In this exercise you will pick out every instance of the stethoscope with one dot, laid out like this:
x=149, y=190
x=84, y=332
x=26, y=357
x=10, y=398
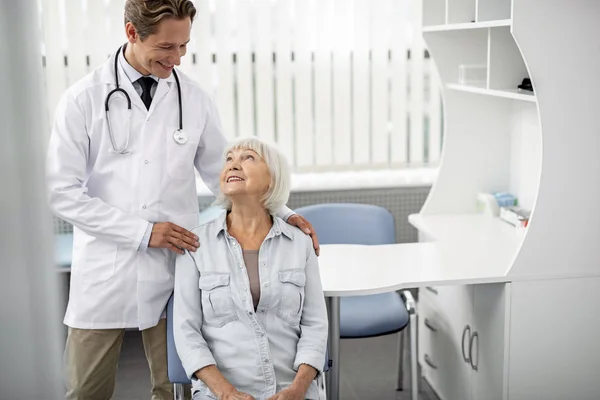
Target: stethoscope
x=179, y=136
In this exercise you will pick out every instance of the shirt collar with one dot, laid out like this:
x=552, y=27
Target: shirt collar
x=279, y=227
x=131, y=73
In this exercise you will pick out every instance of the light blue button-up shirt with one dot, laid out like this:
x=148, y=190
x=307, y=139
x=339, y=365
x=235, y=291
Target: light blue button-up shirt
x=214, y=318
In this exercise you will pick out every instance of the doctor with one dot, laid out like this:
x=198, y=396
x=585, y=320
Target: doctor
x=120, y=168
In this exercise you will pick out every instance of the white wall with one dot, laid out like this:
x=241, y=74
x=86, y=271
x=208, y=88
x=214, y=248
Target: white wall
x=30, y=345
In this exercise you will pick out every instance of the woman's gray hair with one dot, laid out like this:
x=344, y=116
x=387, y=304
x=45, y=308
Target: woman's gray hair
x=279, y=189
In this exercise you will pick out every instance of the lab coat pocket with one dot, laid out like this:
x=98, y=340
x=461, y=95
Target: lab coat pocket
x=94, y=259
x=181, y=154
x=217, y=303
x=291, y=295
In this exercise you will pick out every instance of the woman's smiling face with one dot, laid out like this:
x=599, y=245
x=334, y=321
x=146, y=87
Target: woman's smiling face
x=245, y=173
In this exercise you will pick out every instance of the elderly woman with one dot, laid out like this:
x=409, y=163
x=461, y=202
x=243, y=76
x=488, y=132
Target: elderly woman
x=250, y=320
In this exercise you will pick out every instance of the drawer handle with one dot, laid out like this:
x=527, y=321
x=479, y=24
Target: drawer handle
x=432, y=290
x=429, y=325
x=429, y=362
x=474, y=365
x=466, y=331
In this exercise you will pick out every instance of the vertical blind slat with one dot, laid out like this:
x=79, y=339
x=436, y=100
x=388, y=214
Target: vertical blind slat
x=265, y=118
x=225, y=76
x=361, y=84
x=322, y=95
x=243, y=70
x=283, y=79
x=303, y=83
x=342, y=79
x=416, y=149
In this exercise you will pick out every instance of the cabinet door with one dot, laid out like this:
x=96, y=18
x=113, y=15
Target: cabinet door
x=449, y=314
x=488, y=347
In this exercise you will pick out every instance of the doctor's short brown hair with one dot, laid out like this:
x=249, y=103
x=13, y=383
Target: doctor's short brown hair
x=146, y=14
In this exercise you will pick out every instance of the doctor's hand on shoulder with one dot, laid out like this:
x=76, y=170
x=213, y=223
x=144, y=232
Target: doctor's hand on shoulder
x=167, y=235
x=306, y=227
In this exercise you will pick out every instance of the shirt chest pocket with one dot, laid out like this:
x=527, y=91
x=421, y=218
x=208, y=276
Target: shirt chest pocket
x=181, y=147
x=291, y=295
x=217, y=303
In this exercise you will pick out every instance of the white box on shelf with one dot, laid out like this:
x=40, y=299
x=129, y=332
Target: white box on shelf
x=472, y=74
x=514, y=215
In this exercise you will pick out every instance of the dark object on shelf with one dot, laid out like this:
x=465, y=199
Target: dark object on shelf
x=526, y=85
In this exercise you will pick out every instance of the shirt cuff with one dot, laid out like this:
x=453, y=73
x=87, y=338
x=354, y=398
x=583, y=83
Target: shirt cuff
x=313, y=358
x=146, y=239
x=195, y=362
x=285, y=213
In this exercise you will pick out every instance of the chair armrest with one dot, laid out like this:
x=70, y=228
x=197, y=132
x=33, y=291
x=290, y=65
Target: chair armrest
x=409, y=301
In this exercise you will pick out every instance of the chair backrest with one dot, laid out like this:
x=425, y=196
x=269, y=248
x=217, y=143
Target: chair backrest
x=348, y=223
x=174, y=368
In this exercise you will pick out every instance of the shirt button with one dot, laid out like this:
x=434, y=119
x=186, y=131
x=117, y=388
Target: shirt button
x=250, y=313
x=266, y=285
x=262, y=310
x=245, y=289
x=144, y=206
x=146, y=161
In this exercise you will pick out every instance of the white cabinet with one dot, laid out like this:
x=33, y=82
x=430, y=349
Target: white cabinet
x=491, y=311
x=443, y=317
x=462, y=340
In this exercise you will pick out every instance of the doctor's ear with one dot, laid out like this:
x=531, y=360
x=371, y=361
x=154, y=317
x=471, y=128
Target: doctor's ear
x=131, y=32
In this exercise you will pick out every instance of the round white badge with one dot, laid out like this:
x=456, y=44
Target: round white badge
x=180, y=136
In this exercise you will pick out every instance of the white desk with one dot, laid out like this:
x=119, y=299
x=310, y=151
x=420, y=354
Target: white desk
x=354, y=270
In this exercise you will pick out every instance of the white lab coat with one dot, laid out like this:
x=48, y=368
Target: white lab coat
x=111, y=198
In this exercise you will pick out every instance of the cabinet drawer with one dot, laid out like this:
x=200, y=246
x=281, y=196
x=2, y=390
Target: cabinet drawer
x=452, y=301
x=430, y=293
x=426, y=337
x=440, y=349
x=425, y=333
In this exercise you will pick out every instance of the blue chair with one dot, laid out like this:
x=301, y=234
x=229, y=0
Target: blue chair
x=63, y=251
x=177, y=374
x=372, y=315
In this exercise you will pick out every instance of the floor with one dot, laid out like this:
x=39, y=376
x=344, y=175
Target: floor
x=368, y=371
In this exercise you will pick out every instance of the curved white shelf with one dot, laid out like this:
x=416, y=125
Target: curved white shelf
x=513, y=94
x=467, y=25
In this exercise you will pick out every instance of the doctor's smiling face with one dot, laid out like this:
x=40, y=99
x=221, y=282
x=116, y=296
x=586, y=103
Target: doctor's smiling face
x=158, y=32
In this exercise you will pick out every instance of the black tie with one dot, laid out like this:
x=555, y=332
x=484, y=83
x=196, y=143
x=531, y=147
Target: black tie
x=146, y=82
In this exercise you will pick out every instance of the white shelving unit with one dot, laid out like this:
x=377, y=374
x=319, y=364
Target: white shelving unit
x=470, y=25
x=542, y=147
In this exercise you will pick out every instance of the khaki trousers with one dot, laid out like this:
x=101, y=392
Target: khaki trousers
x=92, y=357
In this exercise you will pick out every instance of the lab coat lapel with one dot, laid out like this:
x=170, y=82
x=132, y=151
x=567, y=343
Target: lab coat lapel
x=164, y=86
x=108, y=77
x=126, y=84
